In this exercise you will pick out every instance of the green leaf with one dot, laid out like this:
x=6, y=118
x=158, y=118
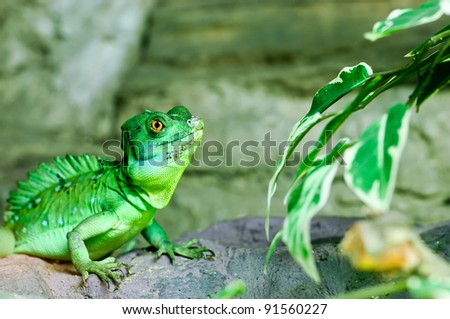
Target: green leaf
x=232, y=290
x=436, y=39
x=347, y=80
x=401, y=19
x=272, y=248
x=372, y=163
x=297, y=133
x=430, y=287
x=309, y=160
x=335, y=153
x=305, y=202
x=337, y=119
x=439, y=79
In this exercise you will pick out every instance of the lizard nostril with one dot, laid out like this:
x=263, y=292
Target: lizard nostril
x=195, y=123
x=192, y=122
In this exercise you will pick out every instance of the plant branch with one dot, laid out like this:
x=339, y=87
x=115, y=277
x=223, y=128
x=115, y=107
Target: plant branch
x=376, y=291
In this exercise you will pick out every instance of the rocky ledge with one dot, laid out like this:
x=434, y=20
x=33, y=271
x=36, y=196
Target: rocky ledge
x=240, y=248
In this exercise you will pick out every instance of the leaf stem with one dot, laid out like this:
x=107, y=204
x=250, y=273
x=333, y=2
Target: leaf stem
x=380, y=290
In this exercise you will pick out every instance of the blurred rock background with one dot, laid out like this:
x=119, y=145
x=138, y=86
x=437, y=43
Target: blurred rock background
x=72, y=71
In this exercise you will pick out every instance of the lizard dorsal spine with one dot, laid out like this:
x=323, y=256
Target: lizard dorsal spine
x=53, y=174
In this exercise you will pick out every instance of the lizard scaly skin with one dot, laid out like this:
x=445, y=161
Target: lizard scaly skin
x=81, y=208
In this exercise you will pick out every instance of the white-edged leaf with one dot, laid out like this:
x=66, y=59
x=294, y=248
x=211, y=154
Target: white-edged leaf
x=401, y=19
x=348, y=79
x=297, y=133
x=334, y=154
x=372, y=163
x=445, y=6
x=306, y=201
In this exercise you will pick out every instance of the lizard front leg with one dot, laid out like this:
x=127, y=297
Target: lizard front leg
x=92, y=227
x=157, y=237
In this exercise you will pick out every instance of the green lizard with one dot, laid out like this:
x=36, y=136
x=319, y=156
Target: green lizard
x=81, y=208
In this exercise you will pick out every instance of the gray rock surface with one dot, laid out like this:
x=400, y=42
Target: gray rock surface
x=240, y=247
x=62, y=61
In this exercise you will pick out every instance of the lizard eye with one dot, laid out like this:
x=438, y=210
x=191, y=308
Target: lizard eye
x=156, y=125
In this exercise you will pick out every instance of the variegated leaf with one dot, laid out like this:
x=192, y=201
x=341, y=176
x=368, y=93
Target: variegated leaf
x=298, y=132
x=348, y=79
x=401, y=19
x=372, y=163
x=305, y=202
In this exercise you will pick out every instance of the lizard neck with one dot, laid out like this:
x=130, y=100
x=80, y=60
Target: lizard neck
x=154, y=185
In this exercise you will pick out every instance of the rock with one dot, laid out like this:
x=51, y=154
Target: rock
x=24, y=276
x=240, y=248
x=62, y=61
x=194, y=33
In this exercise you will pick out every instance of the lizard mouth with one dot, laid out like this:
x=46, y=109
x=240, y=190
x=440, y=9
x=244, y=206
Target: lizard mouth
x=180, y=146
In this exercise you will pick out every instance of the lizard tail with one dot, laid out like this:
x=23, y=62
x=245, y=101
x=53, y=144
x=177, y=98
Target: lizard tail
x=7, y=241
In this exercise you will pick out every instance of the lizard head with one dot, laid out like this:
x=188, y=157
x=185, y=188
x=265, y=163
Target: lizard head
x=157, y=149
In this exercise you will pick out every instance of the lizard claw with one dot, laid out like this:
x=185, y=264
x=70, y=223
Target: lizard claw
x=105, y=269
x=191, y=249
